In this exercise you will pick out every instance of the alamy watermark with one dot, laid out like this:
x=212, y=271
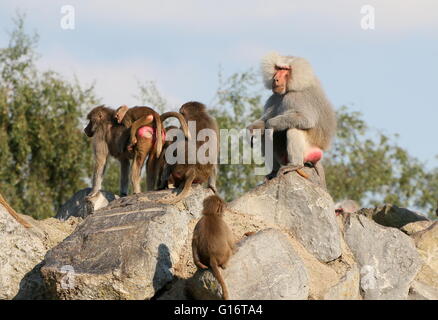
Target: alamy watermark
x=68, y=280
x=68, y=17
x=368, y=21
x=233, y=146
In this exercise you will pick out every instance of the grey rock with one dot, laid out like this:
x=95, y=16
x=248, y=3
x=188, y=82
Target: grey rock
x=297, y=204
x=20, y=252
x=126, y=250
x=347, y=288
x=422, y=291
x=392, y=216
x=81, y=206
x=417, y=226
x=264, y=267
x=387, y=258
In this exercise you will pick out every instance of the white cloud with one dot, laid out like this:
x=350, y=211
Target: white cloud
x=206, y=16
x=116, y=83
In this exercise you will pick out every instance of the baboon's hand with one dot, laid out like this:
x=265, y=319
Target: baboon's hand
x=259, y=124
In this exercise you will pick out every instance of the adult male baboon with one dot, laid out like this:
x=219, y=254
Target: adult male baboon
x=187, y=173
x=108, y=138
x=298, y=111
x=213, y=241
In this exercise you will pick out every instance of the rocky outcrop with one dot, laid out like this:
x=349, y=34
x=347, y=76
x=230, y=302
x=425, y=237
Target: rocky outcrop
x=22, y=251
x=81, y=206
x=426, y=284
x=387, y=258
x=300, y=206
x=137, y=248
x=126, y=250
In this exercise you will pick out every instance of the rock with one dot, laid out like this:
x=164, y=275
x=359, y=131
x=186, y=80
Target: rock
x=126, y=250
x=80, y=206
x=414, y=227
x=427, y=245
x=426, y=242
x=20, y=251
x=295, y=203
x=264, y=267
x=422, y=291
x=392, y=216
x=347, y=288
x=387, y=258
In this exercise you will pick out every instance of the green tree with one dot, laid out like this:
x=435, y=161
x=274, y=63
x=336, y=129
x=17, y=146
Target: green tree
x=369, y=167
x=237, y=101
x=44, y=156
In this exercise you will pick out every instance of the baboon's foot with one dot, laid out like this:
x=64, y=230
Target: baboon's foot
x=289, y=168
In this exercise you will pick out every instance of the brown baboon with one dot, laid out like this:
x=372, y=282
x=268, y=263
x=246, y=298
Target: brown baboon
x=137, y=117
x=186, y=173
x=213, y=241
x=108, y=138
x=298, y=111
x=12, y=212
x=146, y=124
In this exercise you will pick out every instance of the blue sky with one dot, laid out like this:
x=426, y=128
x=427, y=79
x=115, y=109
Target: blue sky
x=389, y=73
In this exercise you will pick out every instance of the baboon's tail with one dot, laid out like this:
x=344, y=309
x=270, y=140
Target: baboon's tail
x=159, y=141
x=189, y=178
x=218, y=276
x=181, y=120
x=13, y=213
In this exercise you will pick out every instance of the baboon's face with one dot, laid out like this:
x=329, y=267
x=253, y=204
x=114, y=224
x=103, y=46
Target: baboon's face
x=120, y=113
x=280, y=80
x=94, y=118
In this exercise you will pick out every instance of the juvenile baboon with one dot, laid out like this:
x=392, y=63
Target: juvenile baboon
x=12, y=212
x=185, y=173
x=298, y=111
x=145, y=123
x=136, y=117
x=108, y=138
x=213, y=241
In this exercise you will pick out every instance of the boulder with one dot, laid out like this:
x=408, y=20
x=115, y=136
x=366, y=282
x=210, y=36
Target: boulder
x=299, y=205
x=125, y=250
x=392, y=216
x=414, y=227
x=22, y=251
x=264, y=267
x=81, y=206
x=426, y=242
x=387, y=258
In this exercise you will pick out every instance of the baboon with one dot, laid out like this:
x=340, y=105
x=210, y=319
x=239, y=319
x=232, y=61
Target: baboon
x=160, y=163
x=12, y=212
x=298, y=111
x=145, y=123
x=137, y=117
x=108, y=138
x=213, y=241
x=346, y=206
x=185, y=174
